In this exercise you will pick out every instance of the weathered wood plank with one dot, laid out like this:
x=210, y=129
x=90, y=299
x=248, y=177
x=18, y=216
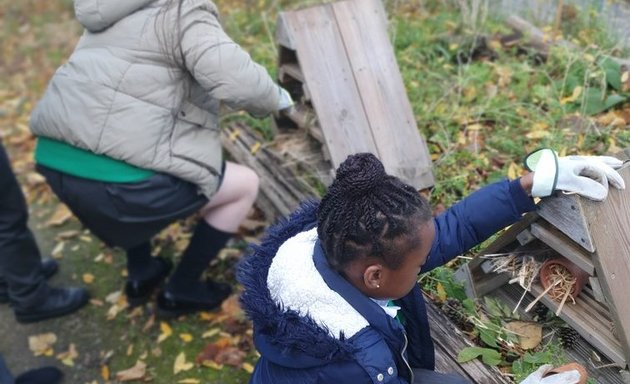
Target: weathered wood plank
x=585, y=318
x=565, y=212
x=327, y=71
x=610, y=227
x=449, y=340
x=283, y=36
x=363, y=29
x=563, y=245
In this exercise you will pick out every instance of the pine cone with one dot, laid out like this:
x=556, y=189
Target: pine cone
x=540, y=311
x=568, y=336
x=454, y=310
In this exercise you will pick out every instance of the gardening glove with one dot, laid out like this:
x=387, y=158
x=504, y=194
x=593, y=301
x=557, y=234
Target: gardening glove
x=568, y=377
x=587, y=176
x=286, y=101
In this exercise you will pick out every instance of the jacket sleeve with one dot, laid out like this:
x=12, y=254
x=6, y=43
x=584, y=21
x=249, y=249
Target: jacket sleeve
x=221, y=66
x=475, y=218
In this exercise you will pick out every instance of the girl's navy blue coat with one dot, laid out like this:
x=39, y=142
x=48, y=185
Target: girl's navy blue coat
x=295, y=348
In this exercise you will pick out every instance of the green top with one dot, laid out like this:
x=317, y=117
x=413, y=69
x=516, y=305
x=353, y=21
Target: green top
x=78, y=162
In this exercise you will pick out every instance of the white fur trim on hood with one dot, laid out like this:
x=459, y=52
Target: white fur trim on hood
x=295, y=283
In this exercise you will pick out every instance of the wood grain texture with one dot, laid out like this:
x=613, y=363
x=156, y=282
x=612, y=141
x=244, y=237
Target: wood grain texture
x=566, y=213
x=363, y=29
x=609, y=223
x=563, y=245
x=349, y=69
x=449, y=341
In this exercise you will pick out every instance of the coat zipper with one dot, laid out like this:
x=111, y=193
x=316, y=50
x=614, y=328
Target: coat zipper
x=402, y=354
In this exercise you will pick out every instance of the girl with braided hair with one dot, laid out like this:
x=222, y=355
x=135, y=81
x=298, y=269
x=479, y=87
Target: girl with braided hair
x=332, y=290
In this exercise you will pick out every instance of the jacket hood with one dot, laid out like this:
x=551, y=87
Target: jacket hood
x=284, y=335
x=97, y=15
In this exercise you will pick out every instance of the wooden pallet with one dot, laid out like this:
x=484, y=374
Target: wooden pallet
x=337, y=62
x=595, y=237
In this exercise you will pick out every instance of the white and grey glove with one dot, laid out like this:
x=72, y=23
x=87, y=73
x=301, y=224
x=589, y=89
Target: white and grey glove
x=587, y=176
x=568, y=377
x=285, y=99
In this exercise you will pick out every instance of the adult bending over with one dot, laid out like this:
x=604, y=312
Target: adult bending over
x=128, y=137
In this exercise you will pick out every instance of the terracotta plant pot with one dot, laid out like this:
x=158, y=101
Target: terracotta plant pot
x=551, y=267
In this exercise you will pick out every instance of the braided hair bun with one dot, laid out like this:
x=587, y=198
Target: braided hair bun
x=359, y=175
x=365, y=211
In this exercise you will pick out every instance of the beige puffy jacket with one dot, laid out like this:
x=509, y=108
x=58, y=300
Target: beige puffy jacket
x=136, y=90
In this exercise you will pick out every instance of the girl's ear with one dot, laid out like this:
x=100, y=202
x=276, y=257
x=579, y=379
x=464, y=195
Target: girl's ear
x=372, y=276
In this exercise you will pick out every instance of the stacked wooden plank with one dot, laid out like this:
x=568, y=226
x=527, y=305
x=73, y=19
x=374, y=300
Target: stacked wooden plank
x=337, y=62
x=595, y=236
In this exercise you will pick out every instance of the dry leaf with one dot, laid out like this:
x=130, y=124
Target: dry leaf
x=60, y=216
x=166, y=331
x=56, y=252
x=230, y=356
x=189, y=381
x=66, y=235
x=136, y=372
x=186, y=337
x=42, y=344
x=231, y=306
x=210, y=333
x=105, y=372
x=67, y=358
x=88, y=278
x=529, y=334
x=248, y=367
x=181, y=364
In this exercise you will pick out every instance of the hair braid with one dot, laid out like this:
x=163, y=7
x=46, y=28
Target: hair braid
x=365, y=210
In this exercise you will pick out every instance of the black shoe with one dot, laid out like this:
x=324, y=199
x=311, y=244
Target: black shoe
x=49, y=268
x=138, y=292
x=45, y=375
x=60, y=301
x=170, y=305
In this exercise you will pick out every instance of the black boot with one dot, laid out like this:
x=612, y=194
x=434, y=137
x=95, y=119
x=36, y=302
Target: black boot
x=146, y=273
x=58, y=302
x=49, y=268
x=185, y=293
x=44, y=375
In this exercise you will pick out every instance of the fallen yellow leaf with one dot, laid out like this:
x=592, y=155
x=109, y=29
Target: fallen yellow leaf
x=181, y=364
x=189, y=381
x=166, y=331
x=105, y=372
x=88, y=278
x=210, y=333
x=186, y=337
x=248, y=367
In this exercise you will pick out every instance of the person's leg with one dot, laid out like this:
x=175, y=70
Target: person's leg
x=20, y=260
x=425, y=376
x=145, y=273
x=221, y=219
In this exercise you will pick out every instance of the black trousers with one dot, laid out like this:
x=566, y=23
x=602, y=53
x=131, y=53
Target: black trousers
x=125, y=215
x=20, y=260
